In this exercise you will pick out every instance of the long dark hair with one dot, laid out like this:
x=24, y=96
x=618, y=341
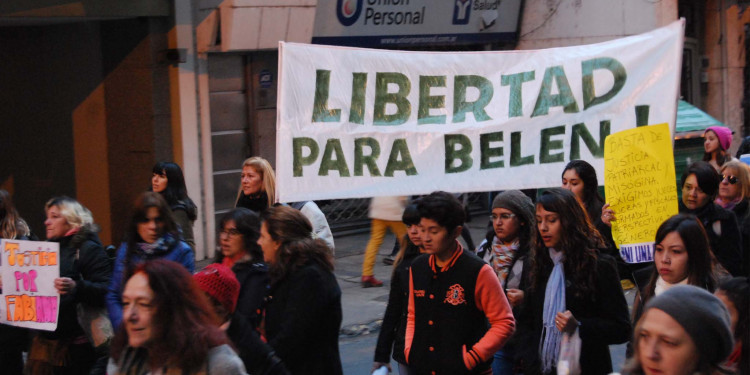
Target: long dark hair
x=578, y=240
x=176, y=191
x=292, y=229
x=145, y=201
x=11, y=224
x=184, y=325
x=737, y=290
x=700, y=259
x=248, y=224
x=592, y=200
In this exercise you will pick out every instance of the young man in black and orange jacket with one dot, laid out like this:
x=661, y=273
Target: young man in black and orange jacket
x=458, y=314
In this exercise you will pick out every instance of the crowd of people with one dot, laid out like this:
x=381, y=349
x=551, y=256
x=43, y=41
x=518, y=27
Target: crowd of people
x=547, y=273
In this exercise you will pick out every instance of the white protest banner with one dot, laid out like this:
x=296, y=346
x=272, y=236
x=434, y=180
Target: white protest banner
x=360, y=123
x=29, y=270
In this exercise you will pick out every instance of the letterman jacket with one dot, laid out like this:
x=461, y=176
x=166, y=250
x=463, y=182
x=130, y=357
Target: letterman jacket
x=458, y=315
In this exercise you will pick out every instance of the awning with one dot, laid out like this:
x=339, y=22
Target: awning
x=692, y=121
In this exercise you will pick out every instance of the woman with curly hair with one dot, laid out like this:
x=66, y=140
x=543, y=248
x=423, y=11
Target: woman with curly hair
x=169, y=326
x=303, y=311
x=572, y=287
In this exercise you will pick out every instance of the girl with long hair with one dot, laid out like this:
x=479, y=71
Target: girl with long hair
x=169, y=326
x=85, y=272
x=571, y=287
x=167, y=179
x=152, y=234
x=303, y=311
x=681, y=256
x=580, y=178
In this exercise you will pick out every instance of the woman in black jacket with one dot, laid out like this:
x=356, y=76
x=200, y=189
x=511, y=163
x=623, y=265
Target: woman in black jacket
x=572, y=287
x=700, y=184
x=394, y=322
x=167, y=179
x=303, y=310
x=734, y=195
x=238, y=237
x=85, y=272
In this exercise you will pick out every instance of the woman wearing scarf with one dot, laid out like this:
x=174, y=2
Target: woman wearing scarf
x=572, y=287
x=152, y=234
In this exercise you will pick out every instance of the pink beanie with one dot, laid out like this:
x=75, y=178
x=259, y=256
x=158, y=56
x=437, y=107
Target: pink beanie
x=220, y=283
x=724, y=135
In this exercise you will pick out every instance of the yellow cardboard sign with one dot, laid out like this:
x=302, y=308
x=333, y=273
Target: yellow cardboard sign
x=639, y=181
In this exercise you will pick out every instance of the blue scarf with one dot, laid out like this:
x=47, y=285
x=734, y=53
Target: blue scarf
x=554, y=302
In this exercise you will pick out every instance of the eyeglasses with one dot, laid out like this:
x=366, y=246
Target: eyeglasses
x=230, y=232
x=502, y=216
x=731, y=179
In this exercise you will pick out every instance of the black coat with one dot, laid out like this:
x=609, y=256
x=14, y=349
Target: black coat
x=92, y=272
x=393, y=329
x=603, y=316
x=303, y=319
x=253, y=278
x=726, y=246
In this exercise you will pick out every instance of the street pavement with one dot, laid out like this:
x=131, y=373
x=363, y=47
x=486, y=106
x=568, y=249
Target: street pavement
x=363, y=308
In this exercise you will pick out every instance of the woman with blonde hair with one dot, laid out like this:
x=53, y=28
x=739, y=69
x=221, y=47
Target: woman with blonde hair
x=258, y=192
x=734, y=195
x=257, y=185
x=85, y=272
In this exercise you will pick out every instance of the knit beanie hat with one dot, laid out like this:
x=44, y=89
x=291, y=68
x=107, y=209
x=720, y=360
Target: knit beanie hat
x=724, y=135
x=517, y=202
x=702, y=315
x=219, y=282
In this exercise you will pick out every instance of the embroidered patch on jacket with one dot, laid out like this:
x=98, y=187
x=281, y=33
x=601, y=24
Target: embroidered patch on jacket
x=455, y=295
